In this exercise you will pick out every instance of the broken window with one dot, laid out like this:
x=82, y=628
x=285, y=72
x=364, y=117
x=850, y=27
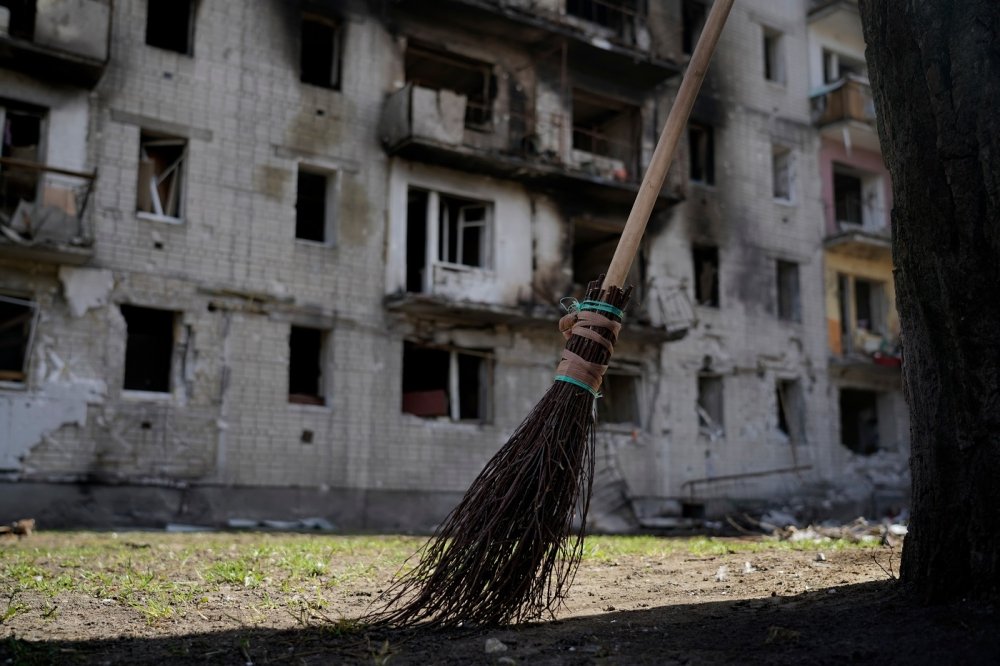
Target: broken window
x=619, y=403
x=314, y=205
x=710, y=405
x=869, y=306
x=20, y=141
x=782, y=174
x=791, y=409
x=693, y=21
x=160, y=190
x=320, y=52
x=859, y=427
x=847, y=199
x=789, y=304
x=21, y=23
x=149, y=348
x=17, y=320
x=434, y=69
x=593, y=247
x=701, y=146
x=837, y=66
x=618, y=15
x=446, y=229
x=305, y=366
x=607, y=127
x=774, y=57
x=448, y=383
x=170, y=25
x=706, y=275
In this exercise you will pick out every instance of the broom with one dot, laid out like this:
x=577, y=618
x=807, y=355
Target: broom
x=508, y=552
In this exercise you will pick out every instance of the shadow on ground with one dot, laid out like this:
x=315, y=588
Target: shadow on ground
x=865, y=623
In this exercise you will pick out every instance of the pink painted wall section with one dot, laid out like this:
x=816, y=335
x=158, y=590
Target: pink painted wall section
x=834, y=151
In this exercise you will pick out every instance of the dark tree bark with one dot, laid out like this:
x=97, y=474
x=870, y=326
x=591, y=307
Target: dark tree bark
x=934, y=66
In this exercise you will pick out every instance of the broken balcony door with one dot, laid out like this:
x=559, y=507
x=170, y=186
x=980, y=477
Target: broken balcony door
x=22, y=132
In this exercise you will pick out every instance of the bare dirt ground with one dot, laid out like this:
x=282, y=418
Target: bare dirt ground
x=264, y=599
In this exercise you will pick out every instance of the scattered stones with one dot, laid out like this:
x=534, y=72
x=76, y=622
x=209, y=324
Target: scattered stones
x=722, y=574
x=495, y=646
x=820, y=557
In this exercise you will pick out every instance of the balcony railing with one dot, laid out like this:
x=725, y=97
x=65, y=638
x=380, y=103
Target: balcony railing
x=434, y=125
x=847, y=99
x=65, y=41
x=43, y=212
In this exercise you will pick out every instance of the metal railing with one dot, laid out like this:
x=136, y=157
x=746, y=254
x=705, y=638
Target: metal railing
x=43, y=203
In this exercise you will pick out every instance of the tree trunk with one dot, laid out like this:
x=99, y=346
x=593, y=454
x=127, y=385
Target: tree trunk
x=935, y=73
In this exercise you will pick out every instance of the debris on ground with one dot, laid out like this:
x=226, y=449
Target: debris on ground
x=495, y=646
x=784, y=527
x=19, y=528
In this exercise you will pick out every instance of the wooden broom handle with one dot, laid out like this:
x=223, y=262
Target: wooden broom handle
x=652, y=182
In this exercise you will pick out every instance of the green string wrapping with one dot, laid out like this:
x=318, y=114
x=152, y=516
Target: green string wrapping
x=592, y=306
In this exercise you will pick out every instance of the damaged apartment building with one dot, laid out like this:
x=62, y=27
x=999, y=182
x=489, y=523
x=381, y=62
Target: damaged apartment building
x=281, y=260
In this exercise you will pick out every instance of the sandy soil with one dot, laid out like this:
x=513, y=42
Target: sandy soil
x=774, y=607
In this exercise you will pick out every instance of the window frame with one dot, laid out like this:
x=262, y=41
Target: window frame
x=172, y=371
x=178, y=167
x=453, y=390
x=8, y=378
x=774, y=65
x=337, y=26
x=786, y=155
x=323, y=397
x=793, y=312
x=706, y=147
x=331, y=204
x=189, y=51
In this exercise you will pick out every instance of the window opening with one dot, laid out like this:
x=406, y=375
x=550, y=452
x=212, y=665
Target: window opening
x=847, y=198
x=710, y=405
x=606, y=127
x=774, y=59
x=693, y=21
x=791, y=409
x=305, y=366
x=416, y=239
x=160, y=189
x=21, y=24
x=464, y=230
x=789, y=304
x=618, y=15
x=446, y=383
x=706, y=275
x=21, y=140
x=859, y=421
x=149, y=348
x=782, y=172
x=869, y=310
x=17, y=322
x=620, y=401
x=320, y=54
x=431, y=68
x=701, y=145
x=837, y=66
x=170, y=25
x=593, y=247
x=312, y=206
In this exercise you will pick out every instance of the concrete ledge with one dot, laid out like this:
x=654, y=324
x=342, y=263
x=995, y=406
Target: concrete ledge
x=93, y=506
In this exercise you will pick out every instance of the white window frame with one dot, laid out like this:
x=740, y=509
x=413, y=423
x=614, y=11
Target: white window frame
x=773, y=43
x=179, y=165
x=786, y=154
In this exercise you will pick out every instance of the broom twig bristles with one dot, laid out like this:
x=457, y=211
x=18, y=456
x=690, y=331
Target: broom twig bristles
x=509, y=551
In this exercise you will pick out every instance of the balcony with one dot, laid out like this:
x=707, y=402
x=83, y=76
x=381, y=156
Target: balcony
x=596, y=35
x=43, y=213
x=62, y=41
x=845, y=111
x=544, y=150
